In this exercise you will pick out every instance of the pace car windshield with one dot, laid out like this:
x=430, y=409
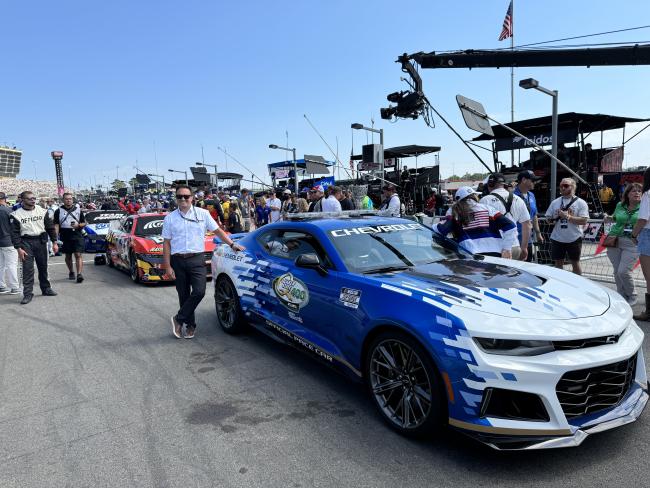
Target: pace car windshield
x=378, y=248
x=149, y=226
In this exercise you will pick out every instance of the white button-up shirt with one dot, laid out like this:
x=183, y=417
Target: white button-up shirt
x=186, y=232
x=331, y=204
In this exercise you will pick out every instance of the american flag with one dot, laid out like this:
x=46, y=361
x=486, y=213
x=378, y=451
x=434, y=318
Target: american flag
x=507, y=24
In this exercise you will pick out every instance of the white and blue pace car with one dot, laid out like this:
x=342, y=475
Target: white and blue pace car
x=515, y=354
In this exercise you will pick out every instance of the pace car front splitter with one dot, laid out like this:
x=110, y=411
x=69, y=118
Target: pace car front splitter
x=499, y=438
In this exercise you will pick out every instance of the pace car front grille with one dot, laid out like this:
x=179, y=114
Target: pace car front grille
x=582, y=343
x=586, y=391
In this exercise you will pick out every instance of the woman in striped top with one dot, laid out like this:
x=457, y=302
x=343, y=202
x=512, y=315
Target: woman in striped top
x=477, y=228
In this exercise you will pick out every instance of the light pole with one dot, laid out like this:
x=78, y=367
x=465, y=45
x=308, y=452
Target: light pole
x=216, y=172
x=295, y=163
x=159, y=176
x=187, y=182
x=34, y=161
x=358, y=126
x=527, y=84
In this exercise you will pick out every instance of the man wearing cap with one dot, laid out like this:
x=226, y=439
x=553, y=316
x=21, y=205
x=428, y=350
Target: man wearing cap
x=391, y=206
x=316, y=194
x=525, y=184
x=8, y=254
x=275, y=206
x=512, y=207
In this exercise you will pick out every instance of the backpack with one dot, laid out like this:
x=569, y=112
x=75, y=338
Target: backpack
x=507, y=204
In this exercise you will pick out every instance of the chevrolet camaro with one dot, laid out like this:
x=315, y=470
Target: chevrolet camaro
x=515, y=354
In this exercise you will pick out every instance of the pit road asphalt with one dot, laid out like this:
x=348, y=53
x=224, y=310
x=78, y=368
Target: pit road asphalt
x=95, y=391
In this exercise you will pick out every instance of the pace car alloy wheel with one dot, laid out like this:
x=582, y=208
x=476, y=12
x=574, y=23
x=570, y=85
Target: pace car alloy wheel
x=133, y=268
x=229, y=312
x=404, y=384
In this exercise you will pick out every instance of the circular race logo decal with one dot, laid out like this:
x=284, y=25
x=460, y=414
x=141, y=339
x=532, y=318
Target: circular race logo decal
x=291, y=292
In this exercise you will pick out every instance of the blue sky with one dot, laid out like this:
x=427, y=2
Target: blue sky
x=103, y=80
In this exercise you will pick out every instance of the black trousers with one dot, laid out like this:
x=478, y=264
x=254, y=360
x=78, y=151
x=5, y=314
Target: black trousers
x=191, y=277
x=36, y=251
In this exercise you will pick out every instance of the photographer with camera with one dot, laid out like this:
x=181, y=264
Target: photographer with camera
x=69, y=222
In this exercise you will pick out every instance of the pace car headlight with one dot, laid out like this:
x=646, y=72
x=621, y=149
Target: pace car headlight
x=513, y=347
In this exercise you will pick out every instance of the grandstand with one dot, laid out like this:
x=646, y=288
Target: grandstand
x=13, y=186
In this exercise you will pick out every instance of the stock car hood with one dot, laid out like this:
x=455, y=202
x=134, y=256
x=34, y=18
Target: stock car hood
x=505, y=288
x=148, y=245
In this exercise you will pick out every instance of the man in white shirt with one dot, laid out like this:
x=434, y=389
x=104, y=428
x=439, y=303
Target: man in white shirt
x=391, y=206
x=570, y=213
x=511, y=206
x=184, y=232
x=275, y=205
x=332, y=202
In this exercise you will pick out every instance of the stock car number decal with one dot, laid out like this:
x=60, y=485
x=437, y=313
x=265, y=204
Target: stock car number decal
x=291, y=292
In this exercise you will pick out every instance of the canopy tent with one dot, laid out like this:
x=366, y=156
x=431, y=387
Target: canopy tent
x=403, y=152
x=570, y=124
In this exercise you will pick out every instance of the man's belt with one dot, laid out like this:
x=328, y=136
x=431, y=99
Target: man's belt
x=187, y=255
x=27, y=236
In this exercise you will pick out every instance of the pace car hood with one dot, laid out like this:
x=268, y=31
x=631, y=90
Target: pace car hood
x=504, y=288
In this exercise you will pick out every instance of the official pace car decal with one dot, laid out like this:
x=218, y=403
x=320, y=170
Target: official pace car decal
x=373, y=229
x=350, y=297
x=291, y=292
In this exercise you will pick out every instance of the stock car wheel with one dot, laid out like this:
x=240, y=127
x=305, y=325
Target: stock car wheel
x=404, y=384
x=133, y=268
x=226, y=301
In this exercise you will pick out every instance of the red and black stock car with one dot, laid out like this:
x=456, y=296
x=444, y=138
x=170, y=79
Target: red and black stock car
x=135, y=244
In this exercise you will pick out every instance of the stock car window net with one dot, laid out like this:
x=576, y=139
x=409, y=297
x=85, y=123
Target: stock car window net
x=364, y=249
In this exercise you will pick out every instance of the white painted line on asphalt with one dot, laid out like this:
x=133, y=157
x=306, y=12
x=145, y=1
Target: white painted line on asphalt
x=63, y=262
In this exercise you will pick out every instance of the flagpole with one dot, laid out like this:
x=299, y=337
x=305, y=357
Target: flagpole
x=512, y=78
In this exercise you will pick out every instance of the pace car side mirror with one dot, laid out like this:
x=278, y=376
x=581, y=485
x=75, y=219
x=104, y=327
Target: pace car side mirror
x=311, y=261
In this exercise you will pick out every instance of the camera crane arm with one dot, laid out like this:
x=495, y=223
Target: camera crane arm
x=637, y=54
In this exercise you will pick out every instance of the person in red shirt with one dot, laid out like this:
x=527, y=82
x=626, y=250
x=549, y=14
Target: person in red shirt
x=133, y=207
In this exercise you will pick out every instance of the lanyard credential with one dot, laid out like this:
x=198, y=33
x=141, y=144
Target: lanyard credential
x=195, y=219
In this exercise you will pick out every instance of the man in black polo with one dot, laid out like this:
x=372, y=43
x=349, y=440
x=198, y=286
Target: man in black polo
x=31, y=228
x=69, y=221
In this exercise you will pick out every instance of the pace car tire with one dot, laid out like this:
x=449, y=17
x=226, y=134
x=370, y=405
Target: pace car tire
x=229, y=313
x=133, y=268
x=100, y=260
x=404, y=384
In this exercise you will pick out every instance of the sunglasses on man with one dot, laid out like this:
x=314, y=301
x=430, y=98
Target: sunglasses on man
x=183, y=197
x=565, y=186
